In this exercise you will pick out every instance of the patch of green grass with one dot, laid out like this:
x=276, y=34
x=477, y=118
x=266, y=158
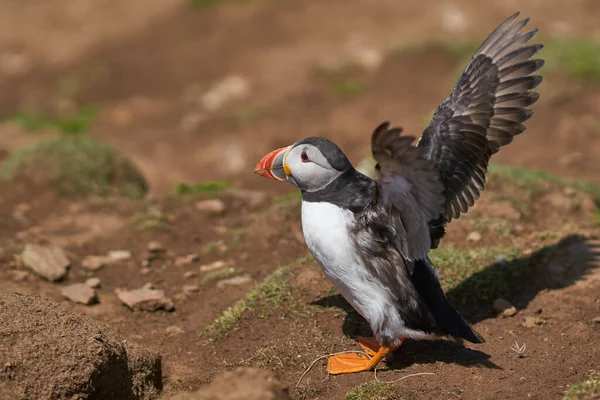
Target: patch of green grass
x=212, y=188
x=347, y=88
x=588, y=390
x=498, y=226
x=151, y=221
x=214, y=247
x=76, y=165
x=218, y=275
x=74, y=124
x=266, y=297
x=597, y=216
x=577, y=58
x=377, y=391
x=531, y=178
x=454, y=49
x=477, y=275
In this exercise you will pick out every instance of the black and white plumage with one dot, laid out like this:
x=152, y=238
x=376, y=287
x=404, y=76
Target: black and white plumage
x=372, y=237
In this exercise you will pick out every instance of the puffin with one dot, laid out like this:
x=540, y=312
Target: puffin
x=372, y=237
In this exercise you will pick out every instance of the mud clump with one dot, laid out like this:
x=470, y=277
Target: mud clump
x=241, y=384
x=48, y=351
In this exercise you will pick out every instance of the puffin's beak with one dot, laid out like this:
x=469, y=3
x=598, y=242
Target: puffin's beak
x=271, y=166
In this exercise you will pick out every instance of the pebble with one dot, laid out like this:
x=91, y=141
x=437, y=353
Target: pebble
x=212, y=206
x=155, y=247
x=186, y=260
x=230, y=88
x=190, y=289
x=596, y=320
x=119, y=255
x=530, y=322
x=474, y=236
x=145, y=271
x=504, y=308
x=173, y=330
x=18, y=276
x=93, y=282
x=189, y=274
x=94, y=263
x=213, y=266
x=235, y=281
x=252, y=198
x=48, y=261
x=145, y=299
x=80, y=293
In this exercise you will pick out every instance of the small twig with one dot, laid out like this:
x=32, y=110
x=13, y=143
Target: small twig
x=328, y=355
x=404, y=377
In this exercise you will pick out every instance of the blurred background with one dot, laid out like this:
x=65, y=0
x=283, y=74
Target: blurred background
x=191, y=90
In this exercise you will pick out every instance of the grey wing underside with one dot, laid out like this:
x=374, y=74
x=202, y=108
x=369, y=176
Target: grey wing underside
x=424, y=187
x=485, y=111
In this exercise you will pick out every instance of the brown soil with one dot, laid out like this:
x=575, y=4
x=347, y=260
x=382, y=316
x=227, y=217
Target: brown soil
x=146, y=65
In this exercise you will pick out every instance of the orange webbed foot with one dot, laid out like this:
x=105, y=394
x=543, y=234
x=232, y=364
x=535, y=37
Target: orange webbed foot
x=355, y=362
x=369, y=345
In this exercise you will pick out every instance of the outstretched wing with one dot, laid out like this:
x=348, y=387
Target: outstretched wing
x=484, y=112
x=409, y=189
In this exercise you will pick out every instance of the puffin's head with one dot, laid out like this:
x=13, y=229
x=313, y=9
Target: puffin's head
x=310, y=164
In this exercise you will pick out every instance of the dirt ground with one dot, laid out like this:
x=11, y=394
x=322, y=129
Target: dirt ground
x=193, y=93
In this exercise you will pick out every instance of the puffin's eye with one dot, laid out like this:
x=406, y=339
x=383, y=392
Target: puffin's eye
x=304, y=156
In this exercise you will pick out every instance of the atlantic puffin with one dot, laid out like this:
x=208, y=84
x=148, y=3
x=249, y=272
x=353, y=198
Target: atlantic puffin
x=372, y=236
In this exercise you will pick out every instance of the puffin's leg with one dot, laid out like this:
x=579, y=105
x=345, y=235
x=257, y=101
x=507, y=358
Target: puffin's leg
x=353, y=362
x=369, y=345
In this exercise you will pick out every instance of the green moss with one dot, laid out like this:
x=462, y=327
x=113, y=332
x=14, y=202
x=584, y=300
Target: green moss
x=588, y=390
x=265, y=298
x=377, y=391
x=243, y=115
x=151, y=221
x=76, y=165
x=212, y=188
x=218, y=275
x=73, y=124
x=347, y=88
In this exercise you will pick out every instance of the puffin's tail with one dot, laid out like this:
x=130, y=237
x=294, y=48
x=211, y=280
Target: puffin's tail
x=447, y=319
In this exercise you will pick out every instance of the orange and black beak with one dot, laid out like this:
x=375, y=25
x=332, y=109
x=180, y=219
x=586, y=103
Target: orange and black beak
x=272, y=165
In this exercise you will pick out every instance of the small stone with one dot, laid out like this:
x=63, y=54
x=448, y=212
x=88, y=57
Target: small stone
x=94, y=263
x=186, y=260
x=235, y=281
x=190, y=289
x=530, y=322
x=18, y=276
x=188, y=274
x=49, y=261
x=155, y=247
x=252, y=198
x=80, y=293
x=119, y=255
x=93, y=282
x=213, y=206
x=213, y=266
x=174, y=330
x=504, y=308
x=474, y=237
x=596, y=320
x=230, y=88
x=145, y=299
x=145, y=271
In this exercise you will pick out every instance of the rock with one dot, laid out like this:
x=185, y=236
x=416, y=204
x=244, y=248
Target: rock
x=230, y=88
x=212, y=206
x=145, y=299
x=190, y=289
x=145, y=271
x=186, y=260
x=504, y=308
x=94, y=263
x=18, y=275
x=188, y=274
x=213, y=266
x=235, y=281
x=60, y=354
x=596, y=320
x=242, y=383
x=474, y=237
x=155, y=247
x=191, y=121
x=173, y=330
x=93, y=282
x=530, y=322
x=119, y=255
x=49, y=261
x=80, y=293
